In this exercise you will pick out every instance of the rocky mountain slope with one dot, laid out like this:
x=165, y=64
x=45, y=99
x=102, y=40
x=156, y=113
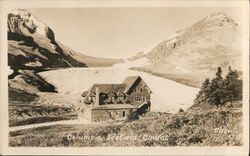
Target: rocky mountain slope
x=137, y=56
x=32, y=44
x=32, y=47
x=193, y=53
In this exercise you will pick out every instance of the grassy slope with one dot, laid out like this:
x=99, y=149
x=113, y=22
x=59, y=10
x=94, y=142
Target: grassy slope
x=198, y=126
x=24, y=109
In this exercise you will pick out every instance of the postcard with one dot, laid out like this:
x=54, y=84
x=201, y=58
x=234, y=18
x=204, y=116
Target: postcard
x=124, y=77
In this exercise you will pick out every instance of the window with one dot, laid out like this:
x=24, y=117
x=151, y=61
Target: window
x=137, y=98
x=120, y=98
x=123, y=113
x=91, y=99
x=110, y=114
x=135, y=89
x=141, y=89
x=112, y=99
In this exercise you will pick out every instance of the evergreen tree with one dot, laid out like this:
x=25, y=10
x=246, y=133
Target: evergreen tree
x=219, y=72
x=206, y=89
x=215, y=96
x=219, y=90
x=232, y=86
x=202, y=95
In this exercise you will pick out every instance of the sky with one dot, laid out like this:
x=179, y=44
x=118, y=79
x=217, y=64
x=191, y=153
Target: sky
x=120, y=32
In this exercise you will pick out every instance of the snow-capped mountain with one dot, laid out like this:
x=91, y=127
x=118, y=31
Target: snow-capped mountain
x=32, y=44
x=195, y=52
x=20, y=20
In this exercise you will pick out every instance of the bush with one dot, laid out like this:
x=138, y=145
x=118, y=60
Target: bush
x=206, y=127
x=178, y=122
x=181, y=110
x=172, y=140
x=134, y=115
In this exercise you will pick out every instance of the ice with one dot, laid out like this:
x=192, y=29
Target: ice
x=167, y=96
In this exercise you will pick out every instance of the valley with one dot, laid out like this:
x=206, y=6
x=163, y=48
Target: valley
x=47, y=79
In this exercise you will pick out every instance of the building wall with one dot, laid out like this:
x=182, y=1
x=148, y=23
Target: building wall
x=139, y=90
x=104, y=114
x=85, y=114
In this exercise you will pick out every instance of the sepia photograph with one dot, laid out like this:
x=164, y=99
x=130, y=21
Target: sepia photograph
x=125, y=76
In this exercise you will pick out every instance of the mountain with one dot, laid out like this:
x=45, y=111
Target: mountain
x=192, y=54
x=32, y=47
x=32, y=44
x=137, y=56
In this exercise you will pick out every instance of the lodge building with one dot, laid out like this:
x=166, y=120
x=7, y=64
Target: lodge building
x=104, y=102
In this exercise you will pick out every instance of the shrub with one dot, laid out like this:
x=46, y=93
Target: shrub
x=134, y=115
x=195, y=139
x=181, y=110
x=178, y=122
x=172, y=140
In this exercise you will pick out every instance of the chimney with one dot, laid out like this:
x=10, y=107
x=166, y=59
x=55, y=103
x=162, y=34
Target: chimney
x=97, y=96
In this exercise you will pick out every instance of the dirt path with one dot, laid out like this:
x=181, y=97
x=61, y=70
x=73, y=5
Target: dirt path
x=16, y=128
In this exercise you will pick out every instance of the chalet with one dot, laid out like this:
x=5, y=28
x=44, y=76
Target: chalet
x=115, y=101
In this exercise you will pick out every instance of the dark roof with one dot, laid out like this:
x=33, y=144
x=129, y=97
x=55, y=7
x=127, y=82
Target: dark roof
x=84, y=94
x=120, y=94
x=92, y=94
x=112, y=94
x=108, y=88
x=129, y=81
x=87, y=100
x=113, y=89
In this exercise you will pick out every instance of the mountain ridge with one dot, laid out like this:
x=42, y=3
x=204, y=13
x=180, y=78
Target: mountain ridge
x=32, y=47
x=32, y=44
x=195, y=52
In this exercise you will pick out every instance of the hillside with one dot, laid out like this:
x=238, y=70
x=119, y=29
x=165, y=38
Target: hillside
x=137, y=56
x=198, y=50
x=32, y=47
x=30, y=82
x=198, y=126
x=29, y=108
x=32, y=44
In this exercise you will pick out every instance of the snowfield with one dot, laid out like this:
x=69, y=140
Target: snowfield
x=167, y=96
